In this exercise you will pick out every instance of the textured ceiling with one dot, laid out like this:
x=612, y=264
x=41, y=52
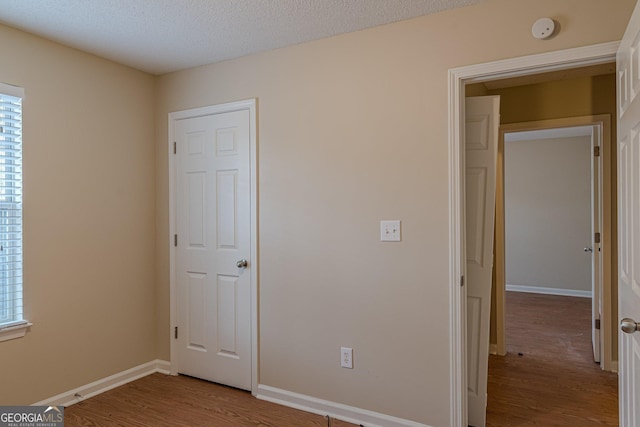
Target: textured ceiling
x=160, y=36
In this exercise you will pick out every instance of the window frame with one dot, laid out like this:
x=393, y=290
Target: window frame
x=16, y=327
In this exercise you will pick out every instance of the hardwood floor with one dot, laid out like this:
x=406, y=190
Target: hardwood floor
x=180, y=401
x=549, y=378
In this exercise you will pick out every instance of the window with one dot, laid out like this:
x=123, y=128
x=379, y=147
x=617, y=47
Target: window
x=12, y=323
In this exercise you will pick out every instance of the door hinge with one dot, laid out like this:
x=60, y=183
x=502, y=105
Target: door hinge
x=596, y=151
x=175, y=332
x=597, y=324
x=175, y=240
x=175, y=148
x=597, y=238
x=461, y=281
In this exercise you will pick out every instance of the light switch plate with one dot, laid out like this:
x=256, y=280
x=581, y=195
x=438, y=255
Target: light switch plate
x=346, y=357
x=390, y=231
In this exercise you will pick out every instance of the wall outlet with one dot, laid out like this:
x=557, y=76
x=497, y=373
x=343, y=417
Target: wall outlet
x=346, y=357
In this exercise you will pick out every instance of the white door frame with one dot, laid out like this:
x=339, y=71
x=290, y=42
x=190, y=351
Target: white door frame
x=601, y=125
x=250, y=105
x=458, y=78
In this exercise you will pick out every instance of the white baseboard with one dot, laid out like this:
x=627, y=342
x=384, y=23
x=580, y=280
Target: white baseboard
x=334, y=410
x=163, y=367
x=493, y=348
x=549, y=291
x=614, y=366
x=100, y=386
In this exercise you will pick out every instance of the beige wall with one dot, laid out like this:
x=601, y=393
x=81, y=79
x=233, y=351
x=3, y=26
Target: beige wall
x=352, y=130
x=88, y=219
x=547, y=187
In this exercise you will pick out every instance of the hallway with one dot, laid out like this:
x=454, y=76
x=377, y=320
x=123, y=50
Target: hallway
x=548, y=377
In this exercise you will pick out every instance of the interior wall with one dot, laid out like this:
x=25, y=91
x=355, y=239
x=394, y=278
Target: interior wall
x=352, y=130
x=582, y=96
x=547, y=189
x=89, y=219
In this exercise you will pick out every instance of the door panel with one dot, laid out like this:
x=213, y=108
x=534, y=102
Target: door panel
x=629, y=218
x=195, y=208
x=213, y=223
x=474, y=323
x=227, y=200
x=476, y=201
x=227, y=316
x=481, y=145
x=196, y=310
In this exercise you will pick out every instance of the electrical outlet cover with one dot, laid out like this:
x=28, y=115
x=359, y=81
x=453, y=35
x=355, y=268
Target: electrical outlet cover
x=346, y=357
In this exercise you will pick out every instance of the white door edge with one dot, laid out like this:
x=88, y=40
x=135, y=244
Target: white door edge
x=250, y=105
x=458, y=77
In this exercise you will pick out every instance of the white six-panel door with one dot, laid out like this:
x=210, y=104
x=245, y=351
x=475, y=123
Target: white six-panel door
x=481, y=148
x=213, y=228
x=628, y=69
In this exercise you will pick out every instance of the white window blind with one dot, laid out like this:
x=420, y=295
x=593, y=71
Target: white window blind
x=10, y=205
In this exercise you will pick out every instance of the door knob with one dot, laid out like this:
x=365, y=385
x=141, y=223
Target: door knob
x=242, y=263
x=629, y=326
x=588, y=249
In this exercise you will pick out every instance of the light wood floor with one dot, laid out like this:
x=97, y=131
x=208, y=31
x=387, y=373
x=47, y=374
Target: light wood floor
x=549, y=378
x=179, y=401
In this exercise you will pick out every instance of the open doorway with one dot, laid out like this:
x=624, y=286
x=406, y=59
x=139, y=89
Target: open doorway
x=552, y=214
x=459, y=81
x=554, y=220
x=593, y=94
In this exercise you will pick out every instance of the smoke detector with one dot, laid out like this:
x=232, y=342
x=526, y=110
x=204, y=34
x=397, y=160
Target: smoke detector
x=543, y=28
